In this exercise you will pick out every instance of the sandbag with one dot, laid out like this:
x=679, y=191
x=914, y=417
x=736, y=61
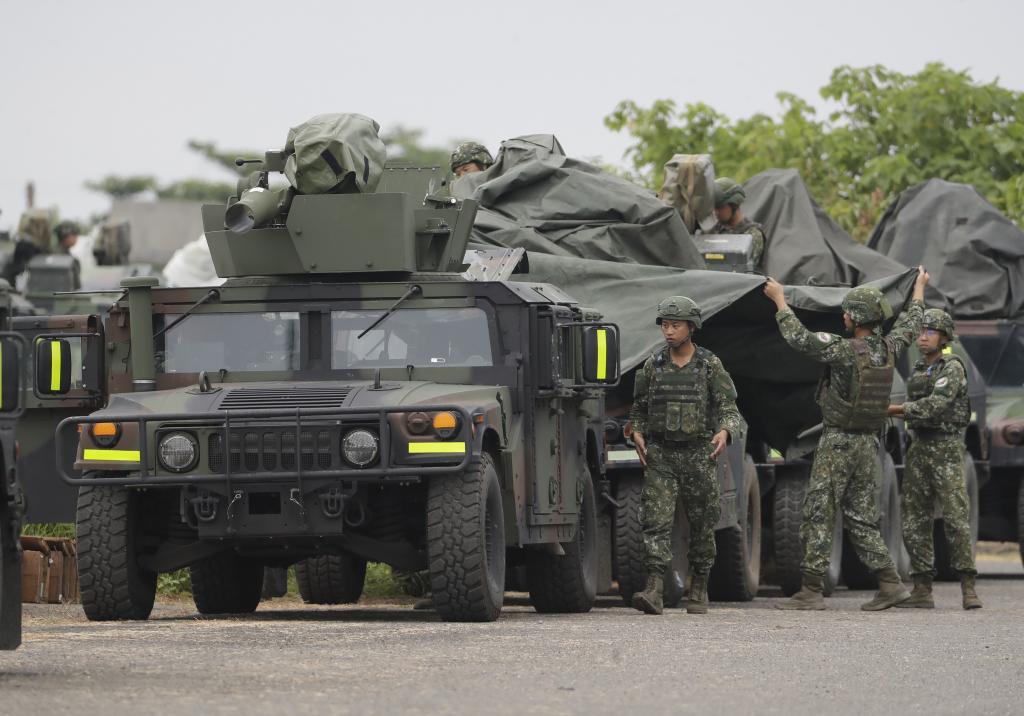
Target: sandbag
x=335, y=154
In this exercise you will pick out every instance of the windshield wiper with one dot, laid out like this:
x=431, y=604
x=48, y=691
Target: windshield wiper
x=413, y=291
x=212, y=294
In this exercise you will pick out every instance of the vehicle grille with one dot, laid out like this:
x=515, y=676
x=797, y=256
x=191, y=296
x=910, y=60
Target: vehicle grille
x=274, y=449
x=296, y=397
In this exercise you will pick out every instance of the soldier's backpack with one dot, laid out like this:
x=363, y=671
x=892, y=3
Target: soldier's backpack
x=689, y=186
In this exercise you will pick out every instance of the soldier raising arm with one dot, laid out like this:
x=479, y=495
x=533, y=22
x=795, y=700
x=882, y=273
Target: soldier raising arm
x=854, y=398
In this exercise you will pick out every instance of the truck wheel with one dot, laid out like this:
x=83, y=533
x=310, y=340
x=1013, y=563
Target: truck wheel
x=331, y=579
x=789, y=551
x=944, y=570
x=737, y=571
x=112, y=584
x=226, y=584
x=629, y=545
x=466, y=543
x=568, y=583
x=855, y=573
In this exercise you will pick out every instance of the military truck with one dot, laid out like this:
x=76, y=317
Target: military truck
x=346, y=396
x=12, y=499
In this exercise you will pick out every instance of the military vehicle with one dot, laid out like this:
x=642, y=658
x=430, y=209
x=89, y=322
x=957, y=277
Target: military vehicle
x=347, y=395
x=12, y=501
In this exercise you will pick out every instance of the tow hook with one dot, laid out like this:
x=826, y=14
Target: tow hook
x=332, y=503
x=205, y=507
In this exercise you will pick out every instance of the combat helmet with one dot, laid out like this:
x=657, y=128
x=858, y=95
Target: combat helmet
x=866, y=305
x=939, y=320
x=727, y=191
x=471, y=152
x=679, y=308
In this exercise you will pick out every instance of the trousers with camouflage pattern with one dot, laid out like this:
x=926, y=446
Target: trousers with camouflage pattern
x=686, y=474
x=935, y=473
x=845, y=479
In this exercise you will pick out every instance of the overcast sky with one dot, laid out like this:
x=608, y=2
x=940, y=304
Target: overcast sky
x=119, y=86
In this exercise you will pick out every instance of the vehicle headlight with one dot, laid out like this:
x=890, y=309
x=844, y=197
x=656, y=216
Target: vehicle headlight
x=359, y=447
x=178, y=452
x=1013, y=433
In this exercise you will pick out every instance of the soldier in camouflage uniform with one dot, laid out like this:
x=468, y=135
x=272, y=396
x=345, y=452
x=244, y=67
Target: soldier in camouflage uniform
x=937, y=413
x=683, y=399
x=854, y=399
x=728, y=197
x=470, y=157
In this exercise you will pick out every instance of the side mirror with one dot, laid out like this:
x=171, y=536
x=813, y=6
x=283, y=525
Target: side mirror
x=601, y=355
x=53, y=366
x=10, y=375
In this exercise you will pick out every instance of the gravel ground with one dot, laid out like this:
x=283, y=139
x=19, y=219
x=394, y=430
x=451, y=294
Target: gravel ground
x=383, y=658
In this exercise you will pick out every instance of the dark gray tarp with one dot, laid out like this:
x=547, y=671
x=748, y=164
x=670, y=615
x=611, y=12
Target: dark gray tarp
x=775, y=383
x=537, y=198
x=616, y=248
x=974, y=254
x=805, y=246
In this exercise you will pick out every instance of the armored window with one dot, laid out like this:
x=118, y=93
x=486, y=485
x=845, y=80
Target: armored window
x=421, y=337
x=266, y=341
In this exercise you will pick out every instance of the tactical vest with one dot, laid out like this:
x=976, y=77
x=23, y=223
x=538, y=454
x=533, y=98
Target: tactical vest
x=678, y=399
x=922, y=383
x=744, y=226
x=866, y=406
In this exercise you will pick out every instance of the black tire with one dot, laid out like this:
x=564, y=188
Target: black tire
x=331, y=579
x=108, y=526
x=567, y=584
x=466, y=543
x=787, y=514
x=1020, y=519
x=226, y=584
x=630, y=553
x=737, y=570
x=855, y=574
x=944, y=570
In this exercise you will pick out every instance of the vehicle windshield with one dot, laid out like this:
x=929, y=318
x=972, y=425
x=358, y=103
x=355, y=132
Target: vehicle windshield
x=997, y=349
x=421, y=337
x=231, y=341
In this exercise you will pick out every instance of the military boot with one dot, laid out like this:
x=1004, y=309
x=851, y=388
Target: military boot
x=921, y=597
x=697, y=603
x=649, y=601
x=971, y=600
x=809, y=597
x=890, y=591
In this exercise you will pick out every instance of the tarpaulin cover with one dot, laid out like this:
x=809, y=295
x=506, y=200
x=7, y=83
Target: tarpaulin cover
x=615, y=248
x=335, y=153
x=974, y=254
x=537, y=198
x=804, y=245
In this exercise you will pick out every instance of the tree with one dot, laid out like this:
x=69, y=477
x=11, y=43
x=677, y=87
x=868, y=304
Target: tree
x=890, y=131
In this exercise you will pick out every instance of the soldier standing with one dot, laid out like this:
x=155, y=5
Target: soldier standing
x=937, y=413
x=854, y=398
x=728, y=197
x=470, y=157
x=683, y=398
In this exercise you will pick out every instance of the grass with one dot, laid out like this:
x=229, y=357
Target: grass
x=379, y=583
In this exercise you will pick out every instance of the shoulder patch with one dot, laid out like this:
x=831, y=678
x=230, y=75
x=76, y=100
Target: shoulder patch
x=942, y=382
x=824, y=337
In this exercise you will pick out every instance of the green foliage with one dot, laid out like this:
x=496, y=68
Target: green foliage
x=174, y=583
x=888, y=132
x=119, y=187
x=379, y=581
x=49, y=529
x=197, y=190
x=406, y=144
x=225, y=158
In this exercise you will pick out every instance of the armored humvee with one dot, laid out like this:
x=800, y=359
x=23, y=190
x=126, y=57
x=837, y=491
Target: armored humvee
x=348, y=395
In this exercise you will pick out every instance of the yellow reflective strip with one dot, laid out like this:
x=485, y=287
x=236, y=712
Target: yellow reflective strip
x=717, y=257
x=55, y=366
x=602, y=353
x=421, y=448
x=113, y=455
